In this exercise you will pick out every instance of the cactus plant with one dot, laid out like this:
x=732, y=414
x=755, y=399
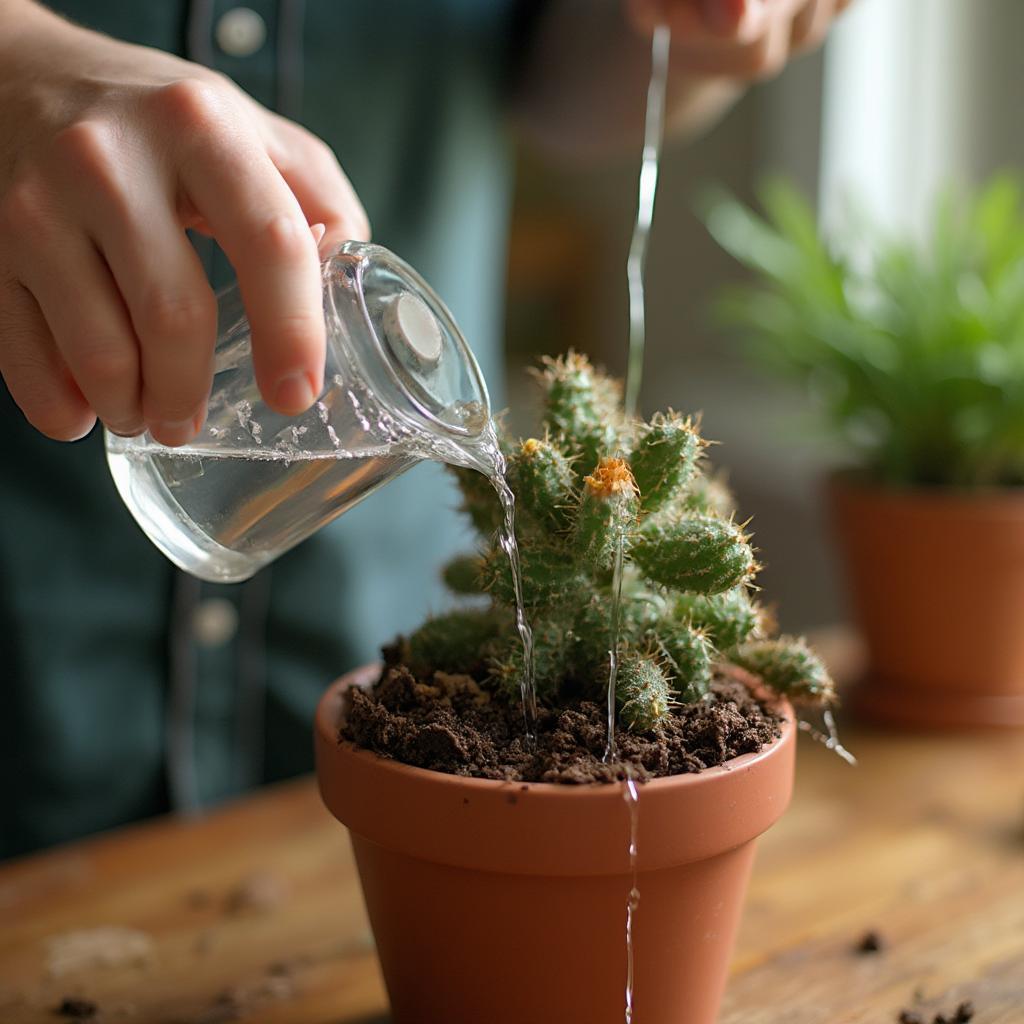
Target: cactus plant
x=596, y=485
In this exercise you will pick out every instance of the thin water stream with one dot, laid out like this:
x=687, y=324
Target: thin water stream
x=507, y=539
x=610, y=750
x=830, y=737
x=484, y=454
x=636, y=261
x=631, y=795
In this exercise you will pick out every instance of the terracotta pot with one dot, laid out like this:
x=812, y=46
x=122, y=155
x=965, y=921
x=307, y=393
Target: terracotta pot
x=936, y=580
x=505, y=903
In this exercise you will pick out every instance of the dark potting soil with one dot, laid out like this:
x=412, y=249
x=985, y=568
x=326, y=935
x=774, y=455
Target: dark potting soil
x=451, y=724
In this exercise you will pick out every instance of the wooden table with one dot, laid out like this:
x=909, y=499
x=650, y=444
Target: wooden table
x=254, y=912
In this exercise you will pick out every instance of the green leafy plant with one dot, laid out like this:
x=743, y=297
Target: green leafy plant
x=913, y=352
x=593, y=483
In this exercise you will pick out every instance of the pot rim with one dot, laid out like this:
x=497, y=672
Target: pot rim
x=705, y=777
x=691, y=816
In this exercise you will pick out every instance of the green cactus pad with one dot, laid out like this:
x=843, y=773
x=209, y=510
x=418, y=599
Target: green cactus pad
x=643, y=692
x=552, y=644
x=455, y=642
x=664, y=457
x=729, y=618
x=702, y=554
x=689, y=654
x=788, y=666
x=583, y=408
x=462, y=575
x=550, y=575
x=709, y=495
x=543, y=481
x=643, y=608
x=590, y=636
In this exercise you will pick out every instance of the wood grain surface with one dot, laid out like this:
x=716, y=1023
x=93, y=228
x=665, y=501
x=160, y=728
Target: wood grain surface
x=254, y=912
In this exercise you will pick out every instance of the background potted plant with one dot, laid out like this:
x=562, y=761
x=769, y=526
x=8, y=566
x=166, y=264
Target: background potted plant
x=497, y=872
x=914, y=356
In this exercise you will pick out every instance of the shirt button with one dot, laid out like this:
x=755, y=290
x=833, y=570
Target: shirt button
x=240, y=32
x=215, y=622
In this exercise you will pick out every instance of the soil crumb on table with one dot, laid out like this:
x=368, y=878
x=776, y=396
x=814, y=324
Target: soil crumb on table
x=451, y=724
x=963, y=1014
x=870, y=942
x=76, y=1009
x=262, y=892
x=248, y=997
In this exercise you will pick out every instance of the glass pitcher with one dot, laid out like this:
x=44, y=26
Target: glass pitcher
x=401, y=385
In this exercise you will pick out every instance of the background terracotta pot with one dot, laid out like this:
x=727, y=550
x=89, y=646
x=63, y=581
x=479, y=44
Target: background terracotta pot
x=505, y=903
x=936, y=582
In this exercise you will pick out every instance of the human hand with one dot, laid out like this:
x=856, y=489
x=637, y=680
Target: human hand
x=738, y=39
x=108, y=152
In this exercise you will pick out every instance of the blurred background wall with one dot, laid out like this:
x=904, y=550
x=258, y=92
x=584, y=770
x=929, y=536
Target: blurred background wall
x=908, y=95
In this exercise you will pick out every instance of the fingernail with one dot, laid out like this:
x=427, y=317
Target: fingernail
x=294, y=393
x=174, y=432
x=131, y=429
x=318, y=230
x=86, y=431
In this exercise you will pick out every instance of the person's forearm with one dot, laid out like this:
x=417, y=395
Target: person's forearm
x=21, y=21
x=584, y=82
x=14, y=12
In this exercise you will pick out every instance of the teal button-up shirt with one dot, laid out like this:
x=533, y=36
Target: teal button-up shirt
x=128, y=688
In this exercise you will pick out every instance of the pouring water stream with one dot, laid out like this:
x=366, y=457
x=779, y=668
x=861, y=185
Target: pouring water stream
x=654, y=125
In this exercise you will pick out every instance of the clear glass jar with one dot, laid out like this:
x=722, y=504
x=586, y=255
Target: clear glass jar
x=401, y=385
